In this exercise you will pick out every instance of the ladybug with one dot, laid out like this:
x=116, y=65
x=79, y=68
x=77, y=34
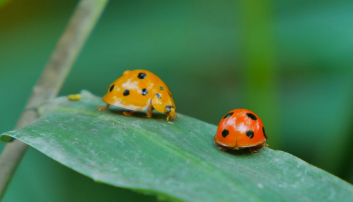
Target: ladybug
x=240, y=129
x=139, y=90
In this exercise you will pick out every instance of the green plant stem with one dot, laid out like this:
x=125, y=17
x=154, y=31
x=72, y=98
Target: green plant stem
x=53, y=76
x=260, y=72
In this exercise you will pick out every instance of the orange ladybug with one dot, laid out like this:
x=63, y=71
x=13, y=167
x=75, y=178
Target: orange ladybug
x=239, y=129
x=139, y=90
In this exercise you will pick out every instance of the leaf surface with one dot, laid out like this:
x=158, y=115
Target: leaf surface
x=176, y=161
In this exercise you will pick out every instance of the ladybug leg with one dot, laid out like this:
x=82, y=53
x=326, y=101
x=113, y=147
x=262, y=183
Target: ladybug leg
x=128, y=113
x=267, y=145
x=149, y=112
x=253, y=150
x=171, y=117
x=103, y=108
x=168, y=120
x=222, y=148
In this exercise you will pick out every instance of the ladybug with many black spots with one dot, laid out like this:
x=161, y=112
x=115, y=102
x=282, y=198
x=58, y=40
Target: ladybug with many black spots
x=140, y=90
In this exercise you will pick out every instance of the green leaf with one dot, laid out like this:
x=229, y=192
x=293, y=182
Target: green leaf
x=176, y=161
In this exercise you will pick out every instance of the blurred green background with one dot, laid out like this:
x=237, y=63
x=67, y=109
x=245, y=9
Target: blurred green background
x=289, y=62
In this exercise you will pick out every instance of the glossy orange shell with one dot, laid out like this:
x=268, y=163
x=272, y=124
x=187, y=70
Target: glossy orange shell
x=136, y=89
x=240, y=128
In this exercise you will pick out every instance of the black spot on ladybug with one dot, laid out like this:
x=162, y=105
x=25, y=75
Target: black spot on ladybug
x=250, y=133
x=141, y=75
x=252, y=116
x=263, y=130
x=161, y=88
x=168, y=109
x=144, y=91
x=111, y=88
x=126, y=92
x=225, y=133
x=228, y=115
x=159, y=96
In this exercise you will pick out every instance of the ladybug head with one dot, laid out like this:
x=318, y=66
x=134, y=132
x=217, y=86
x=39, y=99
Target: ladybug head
x=170, y=111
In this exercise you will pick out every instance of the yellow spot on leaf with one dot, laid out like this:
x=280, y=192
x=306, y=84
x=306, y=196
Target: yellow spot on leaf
x=74, y=97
